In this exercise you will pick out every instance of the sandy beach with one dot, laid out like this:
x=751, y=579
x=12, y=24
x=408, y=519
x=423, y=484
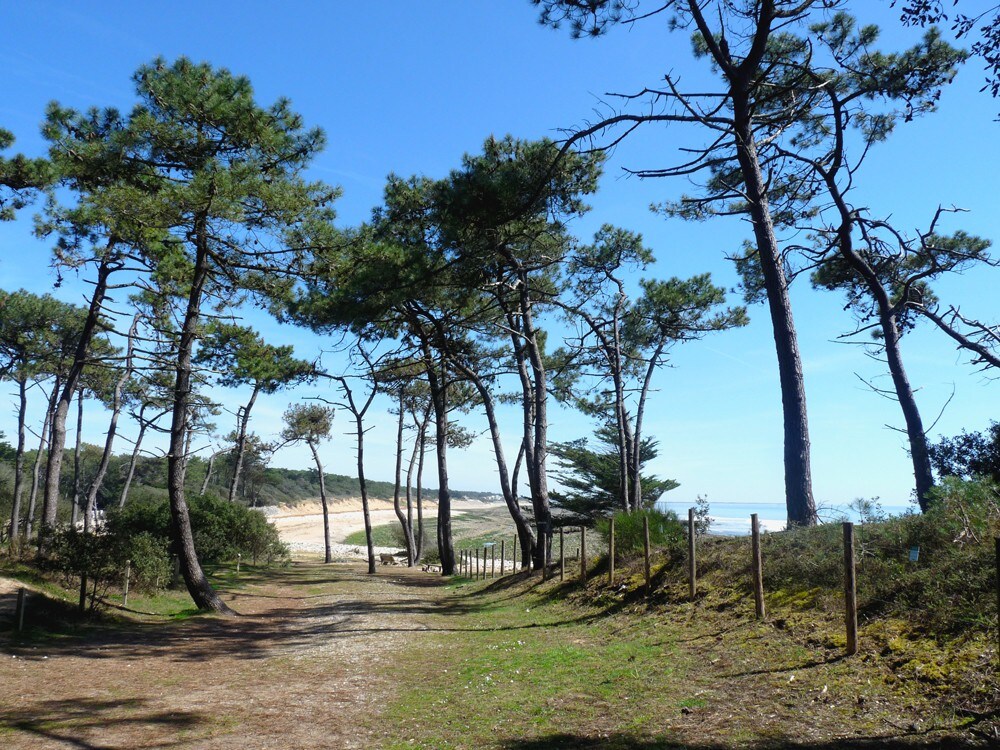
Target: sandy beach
x=301, y=525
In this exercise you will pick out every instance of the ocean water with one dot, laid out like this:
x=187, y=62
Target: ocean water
x=733, y=519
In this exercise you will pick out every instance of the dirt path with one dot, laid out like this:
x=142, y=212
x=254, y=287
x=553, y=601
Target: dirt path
x=300, y=669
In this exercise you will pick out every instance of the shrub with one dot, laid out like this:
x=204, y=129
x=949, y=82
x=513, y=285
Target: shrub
x=665, y=530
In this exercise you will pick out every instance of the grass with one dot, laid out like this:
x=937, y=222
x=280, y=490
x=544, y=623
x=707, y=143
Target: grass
x=531, y=665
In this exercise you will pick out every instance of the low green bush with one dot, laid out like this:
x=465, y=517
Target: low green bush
x=665, y=530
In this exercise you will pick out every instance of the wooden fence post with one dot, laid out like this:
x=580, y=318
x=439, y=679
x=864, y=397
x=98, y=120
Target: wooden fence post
x=239, y=560
x=645, y=549
x=583, y=554
x=611, y=553
x=692, y=563
x=850, y=590
x=757, y=567
x=997, y=542
x=503, y=555
x=128, y=575
x=22, y=600
x=562, y=554
x=493, y=561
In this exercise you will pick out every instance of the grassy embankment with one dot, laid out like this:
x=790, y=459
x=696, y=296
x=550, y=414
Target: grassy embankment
x=539, y=665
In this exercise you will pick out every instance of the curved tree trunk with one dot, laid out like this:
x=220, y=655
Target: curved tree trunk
x=116, y=409
x=53, y=470
x=133, y=460
x=438, y=385
x=407, y=528
x=198, y=586
x=36, y=468
x=322, y=497
x=799, y=501
x=241, y=444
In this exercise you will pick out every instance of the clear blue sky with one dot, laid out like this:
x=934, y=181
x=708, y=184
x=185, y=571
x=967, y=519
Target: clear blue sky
x=408, y=87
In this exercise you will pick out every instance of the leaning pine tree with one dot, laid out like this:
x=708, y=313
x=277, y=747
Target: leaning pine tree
x=204, y=185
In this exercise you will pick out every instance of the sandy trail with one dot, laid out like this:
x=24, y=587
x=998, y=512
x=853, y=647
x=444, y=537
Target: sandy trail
x=306, y=666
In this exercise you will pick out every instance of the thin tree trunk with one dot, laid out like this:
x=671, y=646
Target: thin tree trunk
x=198, y=586
x=407, y=529
x=241, y=444
x=438, y=385
x=208, y=472
x=74, y=513
x=801, y=507
x=409, y=495
x=116, y=410
x=364, y=495
x=42, y=441
x=53, y=471
x=133, y=460
x=22, y=437
x=422, y=437
x=510, y=498
x=322, y=498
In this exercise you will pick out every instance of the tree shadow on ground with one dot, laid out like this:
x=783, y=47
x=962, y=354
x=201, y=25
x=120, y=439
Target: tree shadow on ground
x=278, y=629
x=69, y=722
x=633, y=742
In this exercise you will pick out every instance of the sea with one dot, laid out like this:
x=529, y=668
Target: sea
x=733, y=519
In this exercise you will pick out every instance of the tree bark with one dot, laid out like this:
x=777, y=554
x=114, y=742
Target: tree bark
x=322, y=497
x=801, y=507
x=241, y=444
x=407, y=528
x=134, y=459
x=116, y=409
x=438, y=386
x=74, y=513
x=42, y=442
x=53, y=471
x=22, y=412
x=197, y=583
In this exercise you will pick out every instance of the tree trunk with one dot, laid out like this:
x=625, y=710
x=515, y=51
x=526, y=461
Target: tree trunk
x=35, y=469
x=422, y=437
x=438, y=386
x=322, y=498
x=364, y=493
x=241, y=444
x=198, y=586
x=407, y=528
x=74, y=513
x=22, y=436
x=520, y=522
x=540, y=489
x=409, y=494
x=57, y=442
x=116, y=409
x=143, y=424
x=799, y=501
